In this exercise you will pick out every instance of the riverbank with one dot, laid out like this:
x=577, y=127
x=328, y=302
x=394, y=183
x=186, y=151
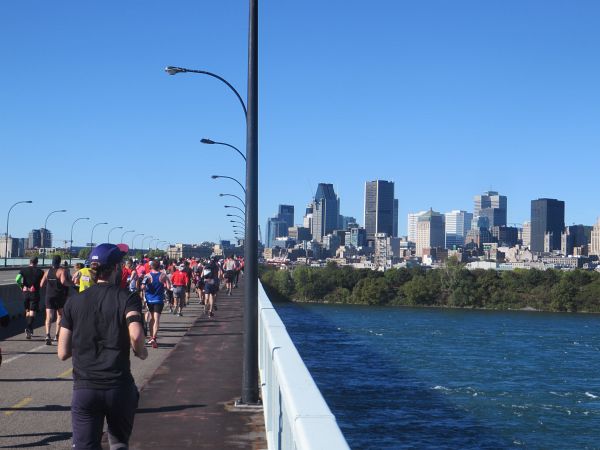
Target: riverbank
x=451, y=287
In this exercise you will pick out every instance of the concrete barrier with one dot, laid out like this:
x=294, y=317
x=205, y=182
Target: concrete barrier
x=12, y=297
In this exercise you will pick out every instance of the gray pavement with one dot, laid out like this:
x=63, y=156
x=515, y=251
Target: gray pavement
x=8, y=276
x=35, y=387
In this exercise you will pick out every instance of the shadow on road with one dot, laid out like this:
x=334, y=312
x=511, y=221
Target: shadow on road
x=168, y=408
x=47, y=439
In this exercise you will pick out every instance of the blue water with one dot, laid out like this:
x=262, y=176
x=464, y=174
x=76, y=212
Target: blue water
x=399, y=378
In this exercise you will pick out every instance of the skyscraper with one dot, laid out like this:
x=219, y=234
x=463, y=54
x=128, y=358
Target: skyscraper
x=595, y=239
x=286, y=214
x=458, y=223
x=412, y=225
x=395, y=225
x=325, y=211
x=379, y=208
x=430, y=231
x=493, y=206
x=275, y=228
x=547, y=224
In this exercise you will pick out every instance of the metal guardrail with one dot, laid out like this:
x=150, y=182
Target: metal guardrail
x=296, y=415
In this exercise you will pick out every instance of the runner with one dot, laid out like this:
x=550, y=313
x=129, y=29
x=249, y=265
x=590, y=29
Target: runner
x=188, y=287
x=180, y=281
x=100, y=325
x=211, y=285
x=57, y=285
x=154, y=289
x=29, y=280
x=229, y=267
x=4, y=321
x=85, y=277
x=75, y=277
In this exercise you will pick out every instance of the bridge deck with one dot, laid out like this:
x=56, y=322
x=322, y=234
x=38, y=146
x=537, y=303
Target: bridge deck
x=189, y=401
x=187, y=386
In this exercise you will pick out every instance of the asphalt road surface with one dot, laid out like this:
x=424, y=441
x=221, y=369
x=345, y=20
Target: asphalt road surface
x=35, y=387
x=8, y=276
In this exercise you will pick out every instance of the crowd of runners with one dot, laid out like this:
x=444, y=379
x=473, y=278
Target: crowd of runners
x=162, y=284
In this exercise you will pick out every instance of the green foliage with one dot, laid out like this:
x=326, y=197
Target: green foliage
x=84, y=253
x=453, y=286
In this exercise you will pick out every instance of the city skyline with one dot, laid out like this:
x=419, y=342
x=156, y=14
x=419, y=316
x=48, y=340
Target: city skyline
x=446, y=100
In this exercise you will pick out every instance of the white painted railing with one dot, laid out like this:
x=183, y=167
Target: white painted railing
x=296, y=415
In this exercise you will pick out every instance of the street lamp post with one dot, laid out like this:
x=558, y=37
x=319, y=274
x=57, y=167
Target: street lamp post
x=211, y=142
x=233, y=195
x=250, y=363
x=92, y=236
x=214, y=177
x=124, y=233
x=110, y=231
x=236, y=215
x=71, y=241
x=44, y=233
x=6, y=238
x=235, y=207
x=147, y=237
x=133, y=240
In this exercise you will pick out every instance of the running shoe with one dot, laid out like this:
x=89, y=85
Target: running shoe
x=154, y=343
x=48, y=340
x=28, y=333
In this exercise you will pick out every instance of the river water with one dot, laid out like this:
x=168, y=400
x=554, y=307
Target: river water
x=399, y=378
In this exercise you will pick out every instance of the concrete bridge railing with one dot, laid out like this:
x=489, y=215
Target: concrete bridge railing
x=296, y=415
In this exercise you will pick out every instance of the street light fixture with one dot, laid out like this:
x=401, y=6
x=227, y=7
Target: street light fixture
x=124, y=233
x=6, y=237
x=171, y=70
x=233, y=195
x=71, y=241
x=110, y=231
x=211, y=142
x=44, y=233
x=214, y=177
x=235, y=215
x=92, y=235
x=239, y=209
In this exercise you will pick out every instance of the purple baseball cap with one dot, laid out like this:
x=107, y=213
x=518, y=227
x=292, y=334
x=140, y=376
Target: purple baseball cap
x=105, y=254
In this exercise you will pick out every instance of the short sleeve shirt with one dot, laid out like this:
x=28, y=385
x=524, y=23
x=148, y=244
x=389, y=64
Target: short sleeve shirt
x=32, y=277
x=100, y=335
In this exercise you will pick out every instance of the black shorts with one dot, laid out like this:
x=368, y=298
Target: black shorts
x=230, y=275
x=155, y=307
x=211, y=288
x=188, y=288
x=55, y=302
x=32, y=303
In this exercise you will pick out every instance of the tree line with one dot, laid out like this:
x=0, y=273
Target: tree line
x=451, y=286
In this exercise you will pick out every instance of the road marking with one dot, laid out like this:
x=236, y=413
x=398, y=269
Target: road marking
x=19, y=405
x=29, y=352
x=66, y=373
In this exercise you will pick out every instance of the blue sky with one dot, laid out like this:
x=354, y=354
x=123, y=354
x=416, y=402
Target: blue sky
x=447, y=99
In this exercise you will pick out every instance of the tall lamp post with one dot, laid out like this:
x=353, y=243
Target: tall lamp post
x=147, y=237
x=133, y=240
x=211, y=142
x=6, y=238
x=235, y=207
x=45, y=230
x=214, y=177
x=92, y=236
x=110, y=231
x=71, y=241
x=232, y=195
x=250, y=363
x=124, y=233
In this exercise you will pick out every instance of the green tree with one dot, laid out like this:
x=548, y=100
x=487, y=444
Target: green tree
x=84, y=253
x=372, y=291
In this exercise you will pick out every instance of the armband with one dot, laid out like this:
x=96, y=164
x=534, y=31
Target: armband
x=19, y=280
x=134, y=318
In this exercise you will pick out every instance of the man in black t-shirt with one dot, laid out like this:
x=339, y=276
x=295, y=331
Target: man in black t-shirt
x=29, y=279
x=100, y=325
